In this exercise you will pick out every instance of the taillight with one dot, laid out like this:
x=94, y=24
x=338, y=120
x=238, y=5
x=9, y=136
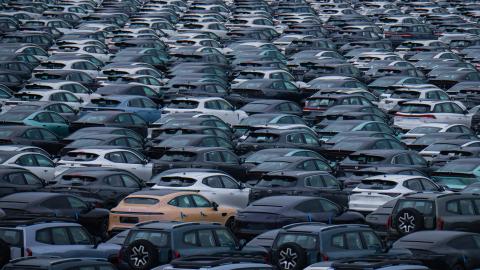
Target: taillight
x=389, y=222
x=176, y=254
x=406, y=35
x=29, y=252
x=308, y=109
x=440, y=224
x=120, y=255
x=324, y=257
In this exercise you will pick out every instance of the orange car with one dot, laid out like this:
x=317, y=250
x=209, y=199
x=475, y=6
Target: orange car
x=168, y=205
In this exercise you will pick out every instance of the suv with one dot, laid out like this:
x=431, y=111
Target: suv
x=55, y=263
x=154, y=243
x=434, y=211
x=297, y=245
x=217, y=263
x=42, y=238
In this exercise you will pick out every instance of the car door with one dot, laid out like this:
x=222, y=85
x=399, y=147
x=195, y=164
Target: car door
x=17, y=182
x=205, y=208
x=236, y=195
x=313, y=210
x=43, y=139
x=187, y=209
x=460, y=115
x=139, y=167
x=231, y=165
x=349, y=244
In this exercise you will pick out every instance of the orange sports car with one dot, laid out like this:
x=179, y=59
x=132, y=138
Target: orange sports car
x=168, y=205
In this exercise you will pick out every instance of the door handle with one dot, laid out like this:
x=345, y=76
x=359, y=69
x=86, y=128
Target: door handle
x=203, y=214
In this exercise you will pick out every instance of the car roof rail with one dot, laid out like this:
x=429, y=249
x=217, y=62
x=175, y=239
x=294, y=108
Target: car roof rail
x=345, y=226
x=67, y=260
x=213, y=261
x=183, y=224
x=289, y=226
x=22, y=221
x=146, y=223
x=33, y=257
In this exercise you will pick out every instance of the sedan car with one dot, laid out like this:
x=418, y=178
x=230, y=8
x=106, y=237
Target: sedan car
x=47, y=119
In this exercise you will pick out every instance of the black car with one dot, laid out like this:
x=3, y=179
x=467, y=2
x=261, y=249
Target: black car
x=386, y=157
x=111, y=119
x=300, y=183
x=130, y=89
x=189, y=120
x=272, y=106
x=30, y=205
x=277, y=211
x=255, y=89
x=87, y=131
x=103, y=140
x=156, y=149
x=167, y=131
x=15, y=180
x=443, y=250
x=216, y=158
x=269, y=153
x=279, y=138
x=345, y=147
x=34, y=136
x=105, y=187
x=429, y=139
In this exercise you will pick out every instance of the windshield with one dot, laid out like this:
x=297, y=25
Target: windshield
x=384, y=81
x=340, y=126
x=257, y=107
x=364, y=159
x=262, y=138
x=175, y=142
x=84, y=142
x=256, y=120
x=92, y=119
x=183, y=104
x=405, y=94
x=173, y=181
x=14, y=116
x=140, y=200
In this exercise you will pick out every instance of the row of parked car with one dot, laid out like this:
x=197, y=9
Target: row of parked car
x=239, y=134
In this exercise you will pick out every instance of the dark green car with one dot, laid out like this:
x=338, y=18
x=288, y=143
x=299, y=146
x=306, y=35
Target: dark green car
x=457, y=174
x=47, y=119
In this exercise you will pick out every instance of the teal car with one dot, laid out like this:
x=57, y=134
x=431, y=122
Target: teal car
x=46, y=119
x=457, y=174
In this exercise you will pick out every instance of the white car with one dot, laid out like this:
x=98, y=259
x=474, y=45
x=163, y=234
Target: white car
x=375, y=191
x=39, y=164
x=45, y=95
x=207, y=105
x=107, y=157
x=363, y=59
x=248, y=74
x=91, y=49
x=430, y=93
x=75, y=88
x=425, y=129
x=217, y=187
x=412, y=114
x=70, y=64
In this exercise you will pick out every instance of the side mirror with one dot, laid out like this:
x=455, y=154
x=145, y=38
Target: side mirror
x=145, y=161
x=215, y=206
x=465, y=112
x=242, y=186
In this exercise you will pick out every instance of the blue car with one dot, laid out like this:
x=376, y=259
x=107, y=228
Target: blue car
x=140, y=105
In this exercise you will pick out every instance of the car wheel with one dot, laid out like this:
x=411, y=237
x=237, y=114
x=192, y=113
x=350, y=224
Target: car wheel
x=142, y=255
x=230, y=222
x=4, y=253
x=409, y=220
x=290, y=256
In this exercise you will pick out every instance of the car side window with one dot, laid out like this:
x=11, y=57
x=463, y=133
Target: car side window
x=214, y=156
x=229, y=182
x=314, y=181
x=47, y=135
x=463, y=242
x=206, y=238
x=338, y=241
x=401, y=159
x=200, y=201
x=131, y=158
x=115, y=157
x=114, y=181
x=213, y=181
x=225, y=238
x=80, y=236
x=129, y=181
x=76, y=204
x=354, y=241
x=60, y=236
x=413, y=184
x=428, y=186
x=15, y=179
x=462, y=207
x=182, y=201
x=229, y=157
x=371, y=240
x=27, y=160
x=32, y=180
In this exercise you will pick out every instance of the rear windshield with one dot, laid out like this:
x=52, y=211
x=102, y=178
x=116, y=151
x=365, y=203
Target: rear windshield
x=80, y=156
x=272, y=165
x=175, y=142
x=364, y=159
x=423, y=206
x=405, y=94
x=262, y=138
x=159, y=239
x=306, y=241
x=377, y=184
x=84, y=142
x=183, y=104
x=139, y=200
x=424, y=130
x=175, y=182
x=14, y=117
x=277, y=182
x=178, y=156
x=11, y=236
x=414, y=108
x=28, y=97
x=319, y=102
x=105, y=102
x=458, y=167
x=440, y=146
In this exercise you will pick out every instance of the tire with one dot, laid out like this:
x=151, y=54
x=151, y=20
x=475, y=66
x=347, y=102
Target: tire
x=230, y=223
x=142, y=255
x=409, y=220
x=5, y=255
x=290, y=256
